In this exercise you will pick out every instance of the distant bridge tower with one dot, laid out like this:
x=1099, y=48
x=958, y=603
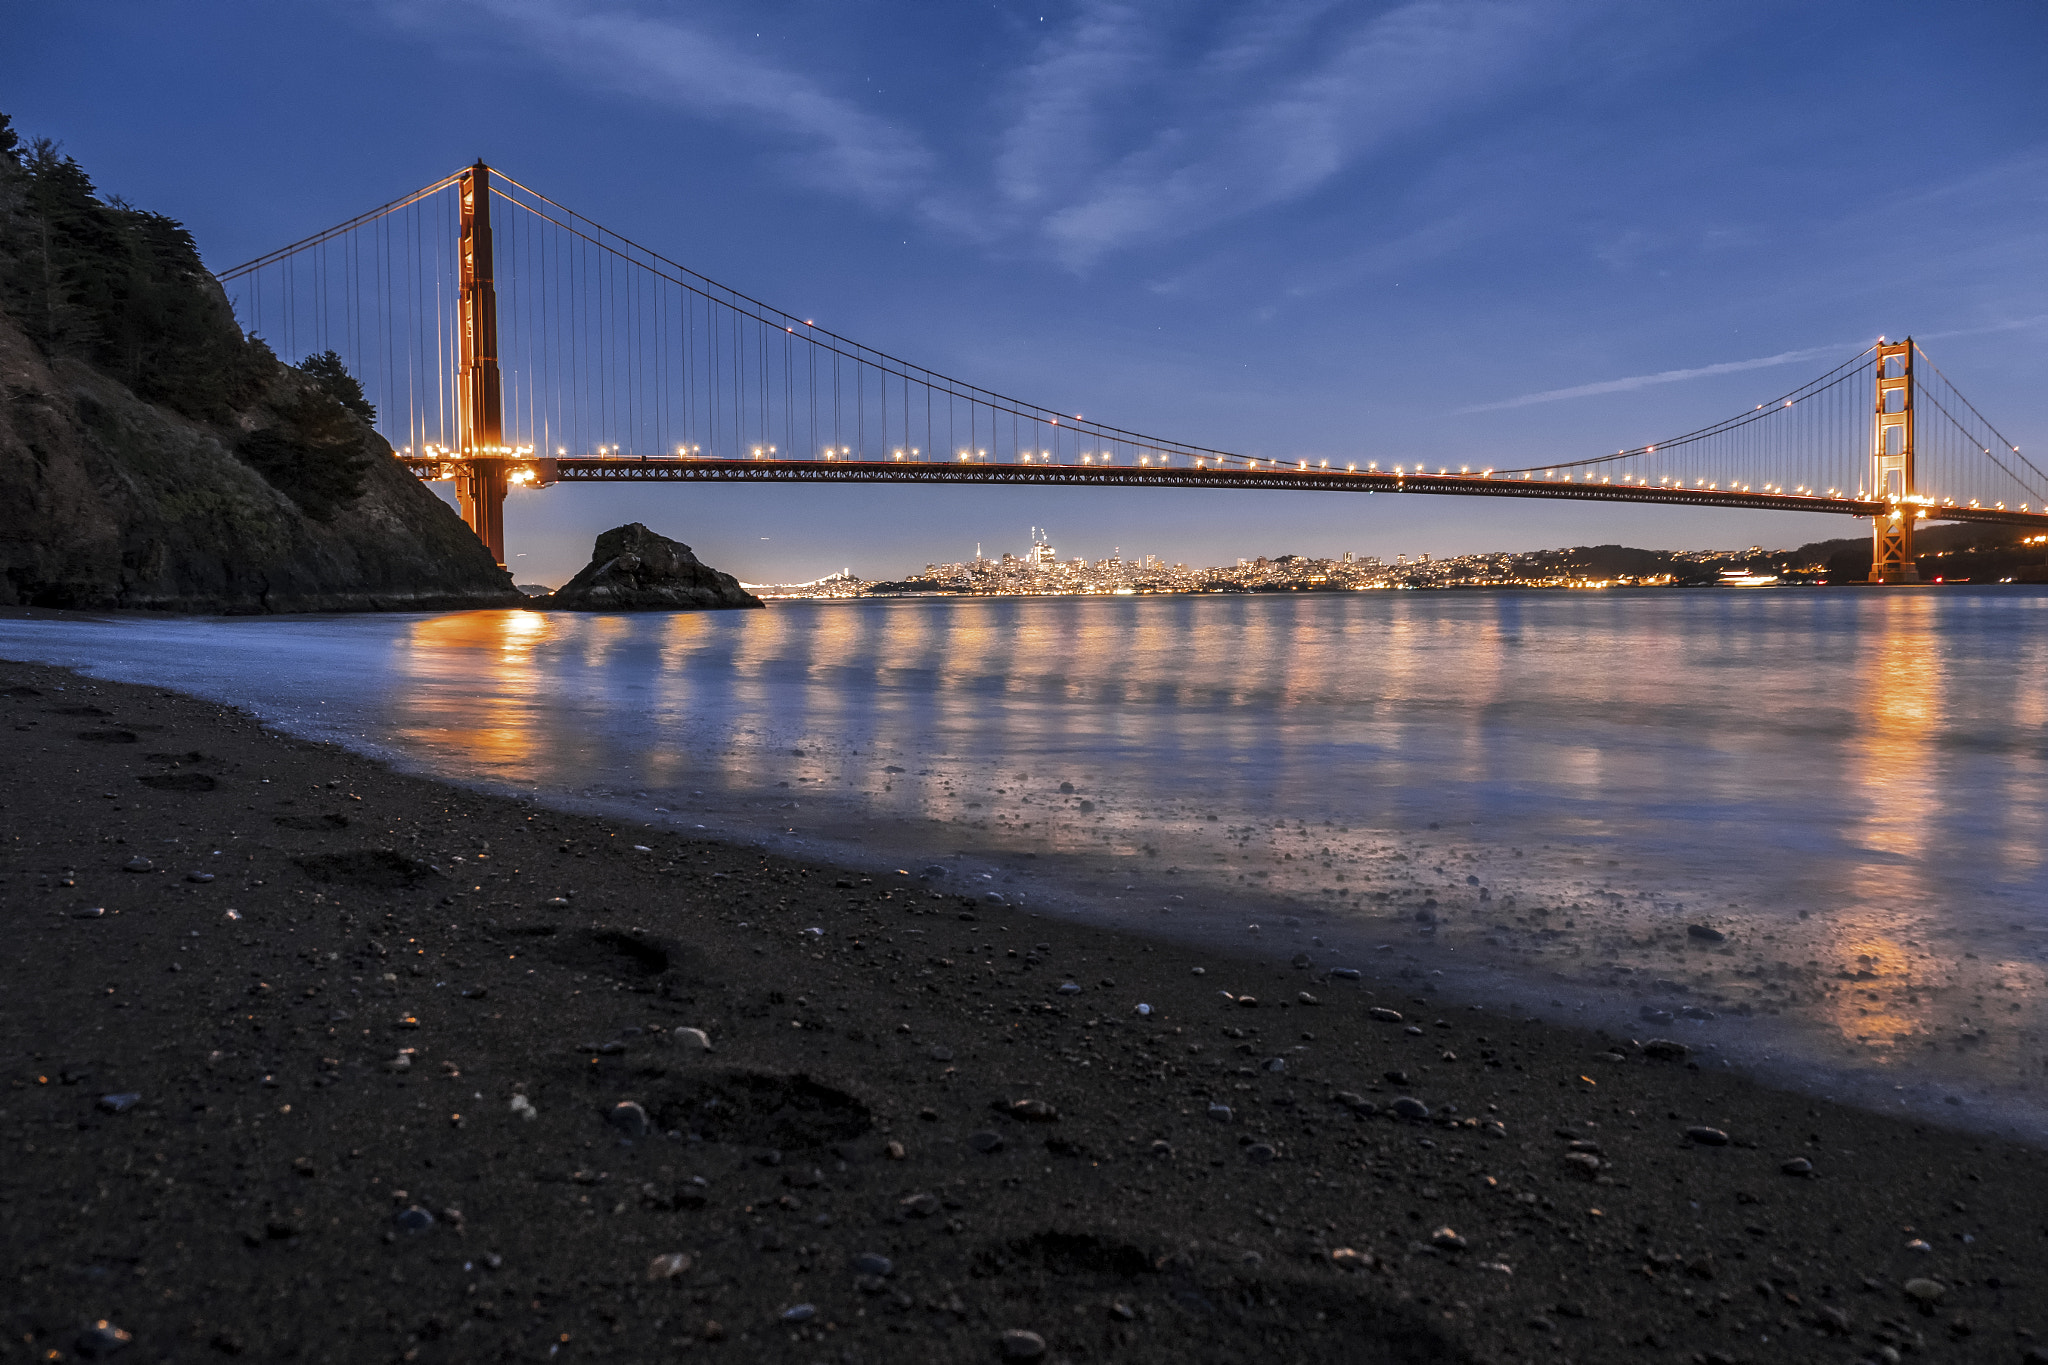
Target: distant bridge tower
x=1891, y=467
x=481, y=482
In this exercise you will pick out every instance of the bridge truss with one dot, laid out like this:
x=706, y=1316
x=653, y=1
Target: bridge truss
x=507, y=340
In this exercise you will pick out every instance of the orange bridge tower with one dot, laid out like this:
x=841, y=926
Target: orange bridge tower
x=1891, y=467
x=482, y=477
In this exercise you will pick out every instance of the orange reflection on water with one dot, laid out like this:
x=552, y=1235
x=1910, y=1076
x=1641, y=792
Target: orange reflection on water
x=475, y=681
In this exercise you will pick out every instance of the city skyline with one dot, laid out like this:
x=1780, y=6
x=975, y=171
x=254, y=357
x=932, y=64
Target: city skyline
x=1402, y=231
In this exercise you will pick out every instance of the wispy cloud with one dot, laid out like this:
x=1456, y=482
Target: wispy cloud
x=1644, y=381
x=839, y=146
x=1282, y=100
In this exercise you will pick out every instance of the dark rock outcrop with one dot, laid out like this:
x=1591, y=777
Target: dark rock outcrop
x=153, y=456
x=634, y=569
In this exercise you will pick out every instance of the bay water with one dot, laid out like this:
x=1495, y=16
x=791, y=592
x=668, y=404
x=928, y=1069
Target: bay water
x=1801, y=830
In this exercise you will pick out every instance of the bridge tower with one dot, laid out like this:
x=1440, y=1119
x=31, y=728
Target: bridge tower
x=1891, y=467
x=485, y=472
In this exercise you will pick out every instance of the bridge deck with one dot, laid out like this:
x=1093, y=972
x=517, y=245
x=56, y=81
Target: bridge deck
x=613, y=470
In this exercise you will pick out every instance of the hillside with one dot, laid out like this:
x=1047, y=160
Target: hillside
x=152, y=456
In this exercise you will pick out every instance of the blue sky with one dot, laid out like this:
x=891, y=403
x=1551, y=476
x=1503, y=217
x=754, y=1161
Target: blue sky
x=1443, y=232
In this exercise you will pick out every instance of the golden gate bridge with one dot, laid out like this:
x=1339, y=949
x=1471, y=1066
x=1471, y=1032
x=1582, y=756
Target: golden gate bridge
x=550, y=349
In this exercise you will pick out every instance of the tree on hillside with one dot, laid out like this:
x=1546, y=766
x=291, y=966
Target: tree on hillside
x=327, y=370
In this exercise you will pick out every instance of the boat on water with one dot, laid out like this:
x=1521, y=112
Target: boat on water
x=1744, y=578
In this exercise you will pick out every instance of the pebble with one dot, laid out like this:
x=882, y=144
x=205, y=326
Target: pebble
x=1276, y=1064
x=1412, y=1031
x=1220, y=1112
x=941, y=1054
x=102, y=1339
x=692, y=1038
x=1304, y=998
x=1664, y=1049
x=1069, y=988
x=802, y=1312
x=1651, y=1014
x=1302, y=961
x=1259, y=1153
x=1446, y=1239
x=138, y=864
x=200, y=877
x=1925, y=1291
x=1384, y=1015
x=1348, y=1258
x=523, y=1107
x=629, y=1118
x=1033, y=1111
x=1705, y=933
x=1161, y=1147
x=1798, y=1165
x=985, y=1141
x=668, y=1265
x=1407, y=1107
x=1918, y=1245
x=1248, y=1001
x=121, y=1103
x=874, y=1263
x=413, y=1219
x=93, y=912
x=1143, y=1011
x=1345, y=973
x=919, y=1205
x=1021, y=1345
x=1707, y=1137
x=1201, y=971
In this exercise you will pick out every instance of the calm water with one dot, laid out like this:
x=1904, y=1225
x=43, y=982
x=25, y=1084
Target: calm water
x=1516, y=800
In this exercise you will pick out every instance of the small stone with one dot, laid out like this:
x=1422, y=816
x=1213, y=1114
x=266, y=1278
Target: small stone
x=1925, y=1291
x=121, y=1103
x=985, y=1141
x=941, y=1054
x=1798, y=1165
x=1705, y=933
x=919, y=1205
x=413, y=1219
x=668, y=1265
x=1586, y=1163
x=802, y=1312
x=138, y=864
x=1161, y=1147
x=1384, y=1015
x=1700, y=1012
x=1143, y=1011
x=1304, y=998
x=1651, y=1014
x=1918, y=1245
x=1022, y=1345
x=1248, y=1001
x=1276, y=1065
x=690, y=1039
x=1123, y=1312
x=1345, y=973
x=200, y=877
x=1412, y=1031
x=712, y=1330
x=1033, y=1111
x=1219, y=1112
x=1446, y=1239
x=629, y=1118
x=1201, y=971
x=1665, y=1050
x=523, y=1107
x=101, y=1339
x=1302, y=962
x=1408, y=1107
x=874, y=1263
x=1347, y=1258
x=1259, y=1153
x=94, y=912
x=1832, y=1320
x=1706, y=1137
x=893, y=1150
x=304, y=1166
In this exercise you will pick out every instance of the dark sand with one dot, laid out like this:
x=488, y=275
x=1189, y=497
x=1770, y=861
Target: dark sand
x=253, y=1200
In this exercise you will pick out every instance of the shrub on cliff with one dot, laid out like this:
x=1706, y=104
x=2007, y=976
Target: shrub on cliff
x=314, y=453
x=119, y=288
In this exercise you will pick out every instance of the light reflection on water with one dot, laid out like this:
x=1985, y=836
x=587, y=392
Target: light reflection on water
x=1533, y=794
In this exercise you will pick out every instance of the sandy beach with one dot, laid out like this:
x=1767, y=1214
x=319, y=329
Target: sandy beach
x=310, y=1060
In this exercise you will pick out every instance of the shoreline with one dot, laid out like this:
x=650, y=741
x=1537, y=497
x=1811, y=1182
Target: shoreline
x=260, y=1194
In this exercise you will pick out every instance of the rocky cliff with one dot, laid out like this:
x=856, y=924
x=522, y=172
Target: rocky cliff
x=153, y=456
x=634, y=569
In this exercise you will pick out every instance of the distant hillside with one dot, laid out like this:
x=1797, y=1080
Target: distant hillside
x=151, y=455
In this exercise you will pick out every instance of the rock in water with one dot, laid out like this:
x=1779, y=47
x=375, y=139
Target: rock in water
x=633, y=569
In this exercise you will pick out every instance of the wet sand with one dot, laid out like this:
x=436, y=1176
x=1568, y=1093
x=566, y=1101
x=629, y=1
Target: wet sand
x=376, y=1031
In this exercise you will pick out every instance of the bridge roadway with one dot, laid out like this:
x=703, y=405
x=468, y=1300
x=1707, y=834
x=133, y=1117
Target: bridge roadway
x=571, y=469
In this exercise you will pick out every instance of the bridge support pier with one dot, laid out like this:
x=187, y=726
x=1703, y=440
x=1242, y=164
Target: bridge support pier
x=480, y=491
x=1891, y=467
